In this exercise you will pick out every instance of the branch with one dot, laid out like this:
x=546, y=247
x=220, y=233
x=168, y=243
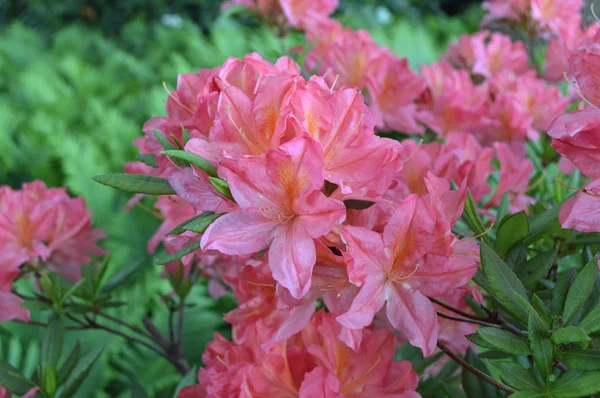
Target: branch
x=458, y=319
x=474, y=370
x=133, y=328
x=457, y=310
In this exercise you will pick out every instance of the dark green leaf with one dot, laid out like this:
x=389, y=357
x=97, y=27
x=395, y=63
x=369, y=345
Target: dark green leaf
x=33, y=305
x=511, y=230
x=357, y=204
x=580, y=290
x=505, y=341
x=137, y=391
x=577, y=384
x=178, y=254
x=571, y=334
x=581, y=359
x=504, y=283
x=147, y=159
x=536, y=268
x=473, y=386
x=541, y=345
x=542, y=224
x=503, y=210
x=476, y=339
x=540, y=307
x=515, y=376
x=136, y=183
x=453, y=392
x=13, y=380
x=121, y=276
x=528, y=394
x=222, y=187
x=196, y=160
x=561, y=288
x=69, y=363
x=53, y=341
x=82, y=369
x=197, y=224
x=471, y=217
x=591, y=322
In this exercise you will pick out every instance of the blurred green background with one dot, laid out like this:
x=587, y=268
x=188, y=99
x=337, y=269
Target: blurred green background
x=78, y=78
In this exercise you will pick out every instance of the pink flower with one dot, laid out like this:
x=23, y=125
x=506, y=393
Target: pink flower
x=402, y=267
x=4, y=393
x=558, y=55
x=305, y=13
x=583, y=68
x=281, y=208
x=393, y=89
x=576, y=135
x=44, y=226
x=10, y=304
x=582, y=212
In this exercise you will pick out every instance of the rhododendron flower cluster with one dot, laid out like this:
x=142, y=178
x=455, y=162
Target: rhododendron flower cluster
x=41, y=229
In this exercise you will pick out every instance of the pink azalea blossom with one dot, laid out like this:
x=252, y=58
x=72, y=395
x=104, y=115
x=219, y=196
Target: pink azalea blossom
x=10, y=303
x=402, y=267
x=44, y=226
x=576, y=135
x=582, y=212
x=281, y=208
x=4, y=393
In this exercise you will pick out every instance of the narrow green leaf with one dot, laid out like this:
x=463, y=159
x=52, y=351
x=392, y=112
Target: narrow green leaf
x=511, y=230
x=33, y=305
x=196, y=160
x=82, y=369
x=190, y=378
x=164, y=141
x=503, y=210
x=197, y=224
x=476, y=339
x=471, y=217
x=69, y=363
x=120, y=277
x=580, y=290
x=578, y=384
x=528, y=394
x=505, y=341
x=136, y=183
x=503, y=282
x=473, y=386
x=541, y=345
x=13, y=380
x=137, y=391
x=543, y=223
x=571, y=334
x=540, y=307
x=533, y=270
x=561, y=288
x=591, y=322
x=147, y=159
x=178, y=254
x=453, y=392
x=357, y=204
x=222, y=187
x=49, y=380
x=581, y=359
x=515, y=376
x=53, y=341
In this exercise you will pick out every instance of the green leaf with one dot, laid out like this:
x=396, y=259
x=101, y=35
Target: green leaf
x=197, y=224
x=591, y=322
x=540, y=307
x=13, y=380
x=196, y=160
x=451, y=391
x=358, y=204
x=69, y=363
x=571, y=334
x=471, y=217
x=49, y=380
x=543, y=223
x=503, y=210
x=503, y=282
x=476, y=339
x=581, y=359
x=82, y=369
x=528, y=394
x=533, y=270
x=473, y=386
x=515, y=376
x=53, y=341
x=541, y=345
x=33, y=305
x=137, y=391
x=505, y=341
x=147, y=159
x=121, y=276
x=512, y=229
x=178, y=254
x=222, y=187
x=561, y=288
x=164, y=141
x=577, y=384
x=580, y=290
x=190, y=378
x=136, y=183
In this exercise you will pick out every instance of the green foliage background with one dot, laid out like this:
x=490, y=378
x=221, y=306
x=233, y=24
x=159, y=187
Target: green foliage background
x=74, y=96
